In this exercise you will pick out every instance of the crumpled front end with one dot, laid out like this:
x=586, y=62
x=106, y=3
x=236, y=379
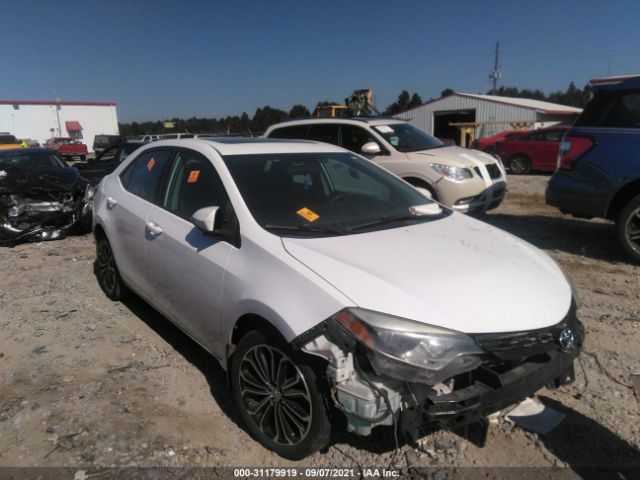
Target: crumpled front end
x=509, y=367
x=42, y=215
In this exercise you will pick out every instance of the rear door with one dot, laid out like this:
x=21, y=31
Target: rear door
x=548, y=151
x=129, y=202
x=187, y=267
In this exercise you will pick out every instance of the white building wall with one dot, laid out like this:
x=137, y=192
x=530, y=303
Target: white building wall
x=36, y=121
x=422, y=116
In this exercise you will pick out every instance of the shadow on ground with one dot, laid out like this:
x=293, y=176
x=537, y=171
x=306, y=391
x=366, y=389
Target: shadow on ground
x=584, y=238
x=590, y=448
x=192, y=352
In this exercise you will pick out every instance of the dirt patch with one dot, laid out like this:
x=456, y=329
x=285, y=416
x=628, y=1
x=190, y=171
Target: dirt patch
x=88, y=382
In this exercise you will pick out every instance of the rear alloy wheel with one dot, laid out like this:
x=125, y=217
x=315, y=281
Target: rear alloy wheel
x=520, y=164
x=628, y=228
x=278, y=398
x=107, y=271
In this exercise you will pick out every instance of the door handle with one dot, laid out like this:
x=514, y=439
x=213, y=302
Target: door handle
x=153, y=229
x=111, y=202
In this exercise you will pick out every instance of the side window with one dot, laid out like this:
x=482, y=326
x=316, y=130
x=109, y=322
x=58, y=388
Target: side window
x=193, y=184
x=625, y=112
x=353, y=138
x=142, y=177
x=108, y=155
x=324, y=132
x=537, y=137
x=351, y=180
x=553, y=135
x=296, y=131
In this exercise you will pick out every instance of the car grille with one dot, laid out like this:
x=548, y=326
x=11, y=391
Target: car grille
x=510, y=345
x=492, y=168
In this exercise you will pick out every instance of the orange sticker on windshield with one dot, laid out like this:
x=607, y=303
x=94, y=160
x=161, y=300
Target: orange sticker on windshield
x=151, y=163
x=308, y=215
x=193, y=176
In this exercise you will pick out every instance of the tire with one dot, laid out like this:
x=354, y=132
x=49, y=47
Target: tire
x=519, y=164
x=107, y=272
x=288, y=418
x=628, y=228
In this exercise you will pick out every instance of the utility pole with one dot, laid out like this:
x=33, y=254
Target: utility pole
x=496, y=73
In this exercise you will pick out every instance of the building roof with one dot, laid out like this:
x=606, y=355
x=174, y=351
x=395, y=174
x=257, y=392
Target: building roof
x=538, y=105
x=55, y=102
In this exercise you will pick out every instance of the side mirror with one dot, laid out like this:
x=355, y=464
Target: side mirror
x=370, y=148
x=205, y=218
x=424, y=192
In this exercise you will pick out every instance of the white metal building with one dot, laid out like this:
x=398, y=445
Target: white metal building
x=489, y=114
x=41, y=120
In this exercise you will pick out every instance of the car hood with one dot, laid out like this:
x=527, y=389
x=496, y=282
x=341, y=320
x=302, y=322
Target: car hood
x=457, y=272
x=454, y=156
x=17, y=180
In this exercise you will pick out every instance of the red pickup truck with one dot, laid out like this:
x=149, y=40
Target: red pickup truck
x=68, y=148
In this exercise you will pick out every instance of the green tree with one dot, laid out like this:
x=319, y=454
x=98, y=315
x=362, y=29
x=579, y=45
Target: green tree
x=265, y=117
x=446, y=92
x=299, y=111
x=405, y=102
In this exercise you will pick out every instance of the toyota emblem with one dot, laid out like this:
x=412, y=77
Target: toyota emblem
x=567, y=340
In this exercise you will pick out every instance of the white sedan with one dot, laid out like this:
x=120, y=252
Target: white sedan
x=327, y=286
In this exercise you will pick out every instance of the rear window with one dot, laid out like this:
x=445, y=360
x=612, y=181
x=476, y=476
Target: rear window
x=612, y=109
x=8, y=139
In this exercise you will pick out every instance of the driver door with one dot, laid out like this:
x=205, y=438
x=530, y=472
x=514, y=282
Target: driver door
x=188, y=266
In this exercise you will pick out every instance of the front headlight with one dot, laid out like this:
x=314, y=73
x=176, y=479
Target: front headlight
x=409, y=350
x=452, y=173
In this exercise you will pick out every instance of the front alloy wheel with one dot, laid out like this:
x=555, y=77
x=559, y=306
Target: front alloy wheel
x=278, y=397
x=628, y=228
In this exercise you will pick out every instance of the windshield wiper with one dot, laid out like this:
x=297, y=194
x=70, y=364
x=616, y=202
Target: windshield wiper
x=307, y=228
x=397, y=218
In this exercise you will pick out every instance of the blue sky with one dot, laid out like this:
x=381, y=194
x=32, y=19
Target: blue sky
x=162, y=59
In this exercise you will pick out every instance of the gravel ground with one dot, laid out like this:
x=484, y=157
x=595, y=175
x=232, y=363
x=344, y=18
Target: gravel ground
x=87, y=383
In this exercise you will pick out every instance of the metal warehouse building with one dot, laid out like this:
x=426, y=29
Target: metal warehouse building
x=463, y=117
x=41, y=120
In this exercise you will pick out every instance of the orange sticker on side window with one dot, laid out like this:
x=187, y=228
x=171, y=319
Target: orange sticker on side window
x=308, y=215
x=151, y=163
x=193, y=176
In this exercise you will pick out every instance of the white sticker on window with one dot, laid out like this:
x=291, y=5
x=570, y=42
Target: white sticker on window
x=384, y=128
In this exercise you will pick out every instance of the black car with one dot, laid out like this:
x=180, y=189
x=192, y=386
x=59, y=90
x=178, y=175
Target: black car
x=41, y=198
x=598, y=171
x=107, y=161
x=102, y=142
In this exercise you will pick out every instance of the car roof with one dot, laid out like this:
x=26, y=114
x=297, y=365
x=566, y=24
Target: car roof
x=252, y=146
x=345, y=120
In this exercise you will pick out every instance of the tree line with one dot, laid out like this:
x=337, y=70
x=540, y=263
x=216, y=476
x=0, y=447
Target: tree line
x=266, y=116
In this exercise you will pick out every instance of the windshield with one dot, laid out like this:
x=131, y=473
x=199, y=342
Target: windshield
x=326, y=194
x=407, y=138
x=33, y=162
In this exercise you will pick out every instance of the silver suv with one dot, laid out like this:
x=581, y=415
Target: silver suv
x=465, y=180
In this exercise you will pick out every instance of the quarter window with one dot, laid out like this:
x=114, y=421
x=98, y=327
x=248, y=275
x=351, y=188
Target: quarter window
x=193, y=184
x=142, y=177
x=296, y=131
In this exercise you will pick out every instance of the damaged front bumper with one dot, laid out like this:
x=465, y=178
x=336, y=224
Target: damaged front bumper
x=42, y=216
x=514, y=367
